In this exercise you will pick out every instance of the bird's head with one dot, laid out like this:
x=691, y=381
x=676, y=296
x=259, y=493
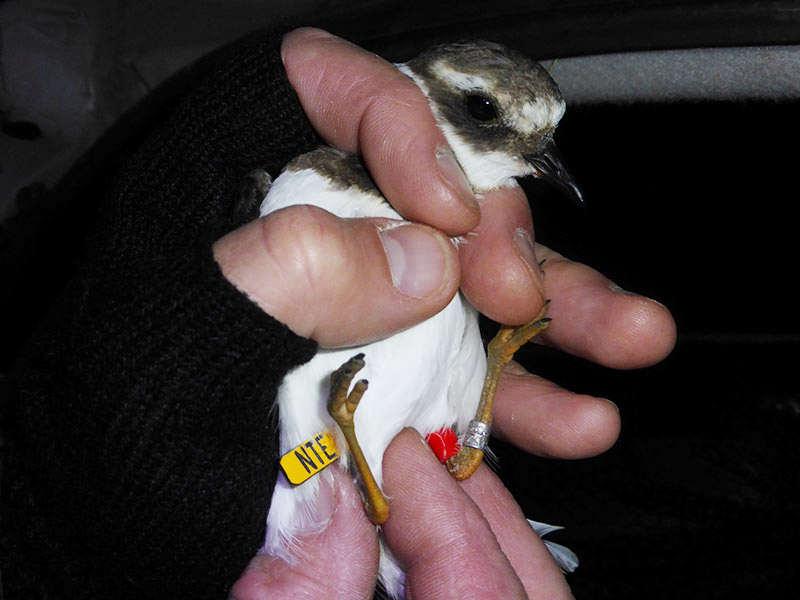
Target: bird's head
x=498, y=110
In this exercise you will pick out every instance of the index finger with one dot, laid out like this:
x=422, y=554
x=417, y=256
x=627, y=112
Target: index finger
x=362, y=104
x=438, y=535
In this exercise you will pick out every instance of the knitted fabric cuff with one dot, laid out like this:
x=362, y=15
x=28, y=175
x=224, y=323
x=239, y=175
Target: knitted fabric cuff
x=182, y=182
x=162, y=458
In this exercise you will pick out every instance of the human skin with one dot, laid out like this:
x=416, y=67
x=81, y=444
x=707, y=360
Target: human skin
x=452, y=538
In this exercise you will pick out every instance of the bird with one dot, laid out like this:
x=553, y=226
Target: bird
x=498, y=110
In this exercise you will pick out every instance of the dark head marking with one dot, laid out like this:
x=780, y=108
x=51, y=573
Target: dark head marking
x=489, y=100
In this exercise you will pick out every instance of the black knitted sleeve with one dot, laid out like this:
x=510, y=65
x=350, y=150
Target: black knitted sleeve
x=142, y=448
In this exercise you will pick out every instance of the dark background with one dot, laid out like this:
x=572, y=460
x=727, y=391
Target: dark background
x=690, y=204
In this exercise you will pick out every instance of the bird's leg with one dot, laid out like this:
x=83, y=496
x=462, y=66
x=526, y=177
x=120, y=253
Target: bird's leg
x=501, y=350
x=342, y=406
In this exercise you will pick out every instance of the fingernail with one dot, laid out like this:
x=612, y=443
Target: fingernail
x=419, y=263
x=524, y=246
x=454, y=177
x=619, y=290
x=611, y=403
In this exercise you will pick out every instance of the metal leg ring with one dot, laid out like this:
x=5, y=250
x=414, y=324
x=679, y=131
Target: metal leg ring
x=477, y=435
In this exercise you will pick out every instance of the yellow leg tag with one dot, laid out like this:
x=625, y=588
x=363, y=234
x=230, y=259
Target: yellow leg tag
x=309, y=458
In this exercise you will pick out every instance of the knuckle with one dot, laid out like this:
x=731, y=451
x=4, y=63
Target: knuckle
x=305, y=241
x=315, y=264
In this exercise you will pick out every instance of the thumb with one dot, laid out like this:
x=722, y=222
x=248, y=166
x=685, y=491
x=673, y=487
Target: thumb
x=341, y=561
x=340, y=281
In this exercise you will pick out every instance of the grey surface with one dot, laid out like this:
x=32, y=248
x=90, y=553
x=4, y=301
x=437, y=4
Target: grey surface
x=741, y=74
x=73, y=67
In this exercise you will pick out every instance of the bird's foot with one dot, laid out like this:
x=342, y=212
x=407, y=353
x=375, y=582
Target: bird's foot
x=465, y=463
x=342, y=407
x=510, y=339
x=500, y=352
x=252, y=190
x=341, y=404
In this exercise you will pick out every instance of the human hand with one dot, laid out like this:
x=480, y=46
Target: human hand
x=360, y=103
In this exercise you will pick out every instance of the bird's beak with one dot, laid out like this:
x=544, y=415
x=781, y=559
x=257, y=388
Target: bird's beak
x=550, y=167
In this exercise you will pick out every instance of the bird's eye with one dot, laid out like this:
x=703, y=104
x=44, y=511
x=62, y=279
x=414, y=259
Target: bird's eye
x=481, y=108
